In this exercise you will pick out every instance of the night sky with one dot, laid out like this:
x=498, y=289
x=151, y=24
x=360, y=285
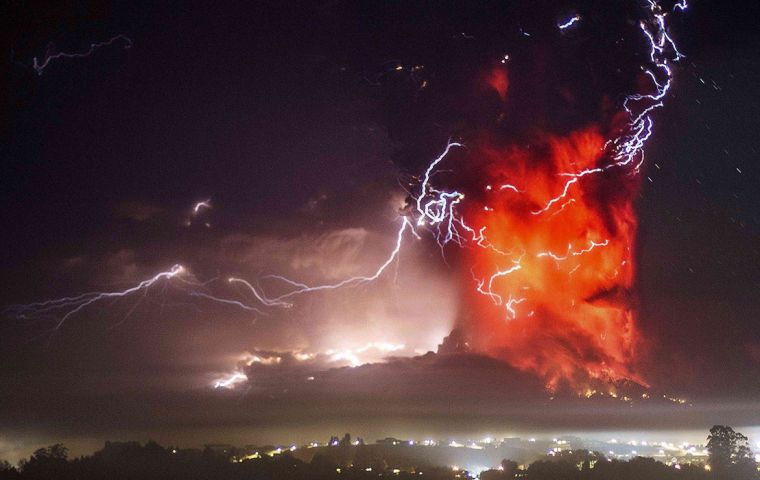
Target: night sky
x=302, y=124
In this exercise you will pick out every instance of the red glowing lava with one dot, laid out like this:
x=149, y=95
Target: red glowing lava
x=557, y=303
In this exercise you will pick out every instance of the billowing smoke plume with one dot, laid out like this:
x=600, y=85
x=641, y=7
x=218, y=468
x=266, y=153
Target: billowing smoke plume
x=543, y=197
x=561, y=306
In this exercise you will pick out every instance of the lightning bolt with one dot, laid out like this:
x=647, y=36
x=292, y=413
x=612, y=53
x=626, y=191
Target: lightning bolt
x=301, y=288
x=628, y=149
x=570, y=251
x=201, y=205
x=569, y=22
x=40, y=65
x=68, y=306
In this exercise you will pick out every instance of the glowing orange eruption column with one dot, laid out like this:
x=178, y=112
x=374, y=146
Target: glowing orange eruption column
x=558, y=302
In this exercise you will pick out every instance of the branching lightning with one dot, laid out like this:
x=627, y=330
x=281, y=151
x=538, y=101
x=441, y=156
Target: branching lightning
x=40, y=65
x=573, y=253
x=68, y=306
x=628, y=148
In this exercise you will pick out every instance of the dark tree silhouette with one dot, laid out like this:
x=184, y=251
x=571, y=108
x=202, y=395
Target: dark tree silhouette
x=46, y=463
x=730, y=454
x=507, y=471
x=509, y=467
x=8, y=471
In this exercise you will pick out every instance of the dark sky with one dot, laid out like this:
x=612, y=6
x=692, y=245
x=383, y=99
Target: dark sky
x=294, y=121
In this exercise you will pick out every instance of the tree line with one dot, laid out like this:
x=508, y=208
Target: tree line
x=730, y=458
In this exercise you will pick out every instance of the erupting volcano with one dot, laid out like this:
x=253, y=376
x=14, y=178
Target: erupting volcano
x=553, y=287
x=541, y=203
x=548, y=221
